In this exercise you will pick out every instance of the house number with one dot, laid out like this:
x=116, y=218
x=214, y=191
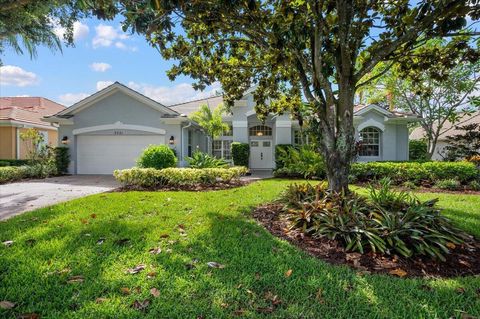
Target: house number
x=118, y=132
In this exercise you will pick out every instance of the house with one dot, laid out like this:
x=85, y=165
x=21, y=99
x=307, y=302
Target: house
x=447, y=130
x=109, y=129
x=17, y=114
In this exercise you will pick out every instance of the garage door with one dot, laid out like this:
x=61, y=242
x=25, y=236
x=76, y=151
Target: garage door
x=102, y=154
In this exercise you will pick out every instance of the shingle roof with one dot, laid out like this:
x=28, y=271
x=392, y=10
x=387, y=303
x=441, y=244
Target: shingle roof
x=27, y=109
x=189, y=107
x=448, y=128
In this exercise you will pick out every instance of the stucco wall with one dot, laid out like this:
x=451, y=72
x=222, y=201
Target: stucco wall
x=7, y=142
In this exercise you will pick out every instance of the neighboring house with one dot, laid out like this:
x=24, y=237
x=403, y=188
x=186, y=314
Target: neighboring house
x=17, y=114
x=447, y=130
x=109, y=129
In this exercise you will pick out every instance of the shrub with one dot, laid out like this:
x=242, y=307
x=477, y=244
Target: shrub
x=415, y=172
x=203, y=160
x=450, y=184
x=62, y=159
x=14, y=173
x=14, y=162
x=280, y=151
x=157, y=156
x=417, y=150
x=4, y=163
x=386, y=221
x=152, y=178
x=303, y=162
x=240, y=153
x=475, y=159
x=474, y=185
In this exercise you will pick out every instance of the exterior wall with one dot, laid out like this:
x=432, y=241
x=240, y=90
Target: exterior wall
x=439, y=151
x=120, y=107
x=8, y=143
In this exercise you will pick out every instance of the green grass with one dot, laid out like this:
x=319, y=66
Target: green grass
x=218, y=228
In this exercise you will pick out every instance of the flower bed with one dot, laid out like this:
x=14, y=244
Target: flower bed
x=183, y=178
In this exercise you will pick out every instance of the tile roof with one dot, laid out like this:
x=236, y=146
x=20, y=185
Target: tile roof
x=189, y=107
x=448, y=128
x=27, y=109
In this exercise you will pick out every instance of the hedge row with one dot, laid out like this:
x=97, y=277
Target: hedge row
x=152, y=178
x=13, y=162
x=15, y=173
x=415, y=172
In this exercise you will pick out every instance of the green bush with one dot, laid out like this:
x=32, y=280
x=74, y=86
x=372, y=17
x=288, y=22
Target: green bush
x=280, y=150
x=4, y=163
x=450, y=184
x=240, y=153
x=157, y=156
x=415, y=172
x=474, y=185
x=14, y=173
x=153, y=178
x=386, y=221
x=62, y=159
x=203, y=160
x=14, y=162
x=304, y=162
x=417, y=150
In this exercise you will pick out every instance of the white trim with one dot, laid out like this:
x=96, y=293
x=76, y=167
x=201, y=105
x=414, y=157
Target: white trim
x=373, y=107
x=240, y=124
x=283, y=123
x=27, y=125
x=250, y=113
x=371, y=123
x=119, y=126
x=240, y=103
x=92, y=99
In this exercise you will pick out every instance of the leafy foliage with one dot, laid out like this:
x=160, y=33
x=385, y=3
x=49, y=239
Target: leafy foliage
x=417, y=150
x=450, y=184
x=153, y=178
x=240, y=153
x=62, y=159
x=36, y=170
x=157, y=156
x=203, y=160
x=210, y=120
x=303, y=162
x=464, y=145
x=387, y=221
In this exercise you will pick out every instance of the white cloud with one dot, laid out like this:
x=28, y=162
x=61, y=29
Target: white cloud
x=16, y=76
x=71, y=98
x=107, y=36
x=103, y=84
x=100, y=66
x=80, y=30
x=169, y=95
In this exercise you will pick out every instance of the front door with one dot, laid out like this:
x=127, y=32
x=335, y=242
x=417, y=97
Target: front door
x=261, y=154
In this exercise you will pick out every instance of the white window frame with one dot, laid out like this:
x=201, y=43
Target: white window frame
x=378, y=137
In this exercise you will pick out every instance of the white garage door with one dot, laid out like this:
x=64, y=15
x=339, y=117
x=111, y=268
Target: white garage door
x=102, y=154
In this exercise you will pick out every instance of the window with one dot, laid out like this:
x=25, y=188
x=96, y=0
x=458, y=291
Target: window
x=221, y=149
x=260, y=130
x=370, y=142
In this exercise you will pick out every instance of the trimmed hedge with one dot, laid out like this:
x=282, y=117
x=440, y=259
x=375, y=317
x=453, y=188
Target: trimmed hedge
x=417, y=150
x=15, y=173
x=152, y=178
x=416, y=172
x=13, y=162
x=157, y=156
x=62, y=159
x=240, y=153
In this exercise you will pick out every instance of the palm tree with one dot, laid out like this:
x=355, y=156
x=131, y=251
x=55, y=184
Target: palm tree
x=211, y=121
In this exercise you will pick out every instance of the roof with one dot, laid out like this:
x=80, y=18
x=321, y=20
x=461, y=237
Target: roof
x=28, y=109
x=117, y=86
x=189, y=107
x=363, y=108
x=448, y=128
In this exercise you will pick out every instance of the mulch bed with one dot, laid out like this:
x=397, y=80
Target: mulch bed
x=463, y=261
x=189, y=188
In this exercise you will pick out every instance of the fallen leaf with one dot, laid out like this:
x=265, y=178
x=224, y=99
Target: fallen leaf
x=8, y=243
x=100, y=241
x=155, y=251
x=265, y=309
x=465, y=263
x=257, y=276
x=288, y=273
x=450, y=245
x=398, y=272
x=125, y=290
x=164, y=236
x=155, y=292
x=152, y=274
x=224, y=305
x=138, y=289
x=141, y=305
x=319, y=296
x=101, y=300
x=460, y=290
x=136, y=269
x=352, y=256
x=28, y=316
x=5, y=304
x=239, y=312
x=214, y=264
x=83, y=221
x=465, y=315
x=75, y=279
x=93, y=216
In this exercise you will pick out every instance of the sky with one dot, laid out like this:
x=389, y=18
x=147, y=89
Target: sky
x=103, y=54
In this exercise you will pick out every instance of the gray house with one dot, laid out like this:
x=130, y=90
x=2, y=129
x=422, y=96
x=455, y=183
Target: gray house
x=109, y=129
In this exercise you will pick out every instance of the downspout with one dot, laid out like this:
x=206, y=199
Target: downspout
x=182, y=140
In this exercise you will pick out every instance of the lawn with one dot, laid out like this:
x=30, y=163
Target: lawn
x=99, y=237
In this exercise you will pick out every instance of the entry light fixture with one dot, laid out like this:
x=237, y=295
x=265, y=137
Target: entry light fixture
x=259, y=133
x=65, y=140
x=171, y=141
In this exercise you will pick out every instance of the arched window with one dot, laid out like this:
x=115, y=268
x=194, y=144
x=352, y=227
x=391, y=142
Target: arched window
x=260, y=130
x=369, y=142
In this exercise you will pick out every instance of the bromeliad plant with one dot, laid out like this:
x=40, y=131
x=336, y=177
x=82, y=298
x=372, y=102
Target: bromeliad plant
x=387, y=222
x=203, y=160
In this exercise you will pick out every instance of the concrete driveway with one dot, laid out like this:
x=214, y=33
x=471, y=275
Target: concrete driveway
x=16, y=198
